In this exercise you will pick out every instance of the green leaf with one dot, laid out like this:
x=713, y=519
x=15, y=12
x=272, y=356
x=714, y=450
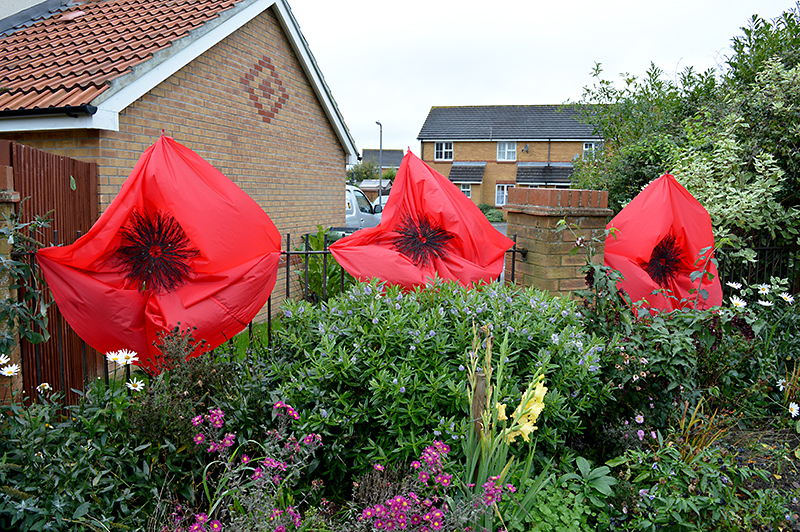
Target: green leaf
x=72, y=183
x=81, y=510
x=583, y=465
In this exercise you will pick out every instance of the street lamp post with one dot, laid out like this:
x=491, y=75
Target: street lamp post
x=380, y=166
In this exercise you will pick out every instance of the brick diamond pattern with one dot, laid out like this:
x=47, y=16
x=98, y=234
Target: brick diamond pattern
x=265, y=88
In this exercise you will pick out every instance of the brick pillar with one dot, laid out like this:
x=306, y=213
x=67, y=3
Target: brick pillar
x=533, y=215
x=8, y=204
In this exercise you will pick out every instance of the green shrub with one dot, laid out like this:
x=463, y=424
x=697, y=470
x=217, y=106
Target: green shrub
x=380, y=372
x=665, y=488
x=491, y=213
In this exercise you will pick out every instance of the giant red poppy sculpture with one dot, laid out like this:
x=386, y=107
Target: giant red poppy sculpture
x=428, y=229
x=180, y=243
x=662, y=242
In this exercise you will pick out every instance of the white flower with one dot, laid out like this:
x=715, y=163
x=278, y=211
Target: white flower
x=788, y=298
x=738, y=302
x=135, y=384
x=765, y=303
x=10, y=371
x=554, y=338
x=781, y=384
x=44, y=387
x=794, y=409
x=737, y=286
x=4, y=360
x=123, y=357
x=763, y=289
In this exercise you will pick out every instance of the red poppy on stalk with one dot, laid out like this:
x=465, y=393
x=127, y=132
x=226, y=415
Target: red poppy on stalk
x=663, y=240
x=180, y=243
x=428, y=228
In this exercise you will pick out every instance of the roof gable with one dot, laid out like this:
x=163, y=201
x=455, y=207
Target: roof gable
x=505, y=122
x=389, y=158
x=100, y=56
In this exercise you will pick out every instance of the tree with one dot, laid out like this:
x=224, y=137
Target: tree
x=361, y=171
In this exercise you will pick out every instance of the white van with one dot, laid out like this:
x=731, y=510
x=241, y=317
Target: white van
x=359, y=212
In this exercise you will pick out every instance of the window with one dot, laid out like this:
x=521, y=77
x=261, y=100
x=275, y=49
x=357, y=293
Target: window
x=466, y=188
x=363, y=203
x=589, y=149
x=443, y=151
x=506, y=151
x=501, y=194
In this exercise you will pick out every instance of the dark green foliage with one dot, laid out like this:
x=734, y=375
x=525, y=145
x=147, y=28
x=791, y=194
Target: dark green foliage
x=325, y=277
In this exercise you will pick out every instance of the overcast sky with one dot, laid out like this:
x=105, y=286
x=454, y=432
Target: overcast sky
x=393, y=61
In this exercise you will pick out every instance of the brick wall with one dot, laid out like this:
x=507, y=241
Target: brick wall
x=534, y=214
x=279, y=148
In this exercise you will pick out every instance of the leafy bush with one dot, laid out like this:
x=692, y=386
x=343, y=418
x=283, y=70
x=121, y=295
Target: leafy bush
x=79, y=472
x=491, y=213
x=379, y=372
x=698, y=490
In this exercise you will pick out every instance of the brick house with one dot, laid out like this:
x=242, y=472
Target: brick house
x=487, y=150
x=234, y=80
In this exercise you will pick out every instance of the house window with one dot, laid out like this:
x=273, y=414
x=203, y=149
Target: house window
x=466, y=188
x=501, y=194
x=589, y=149
x=443, y=151
x=506, y=151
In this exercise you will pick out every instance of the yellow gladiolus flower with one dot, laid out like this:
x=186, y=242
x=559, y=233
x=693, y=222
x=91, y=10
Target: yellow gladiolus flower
x=501, y=412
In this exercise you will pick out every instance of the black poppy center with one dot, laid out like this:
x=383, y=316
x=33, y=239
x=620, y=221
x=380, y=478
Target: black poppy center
x=665, y=261
x=421, y=239
x=155, y=252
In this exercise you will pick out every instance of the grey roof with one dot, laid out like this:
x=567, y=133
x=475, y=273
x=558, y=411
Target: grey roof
x=391, y=158
x=467, y=172
x=544, y=174
x=504, y=122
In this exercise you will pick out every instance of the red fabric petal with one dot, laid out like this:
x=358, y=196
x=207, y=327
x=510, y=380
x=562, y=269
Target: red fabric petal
x=231, y=277
x=663, y=208
x=475, y=253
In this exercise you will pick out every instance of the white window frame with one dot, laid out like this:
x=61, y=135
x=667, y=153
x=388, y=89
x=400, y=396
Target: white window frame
x=443, y=151
x=589, y=148
x=507, y=151
x=466, y=188
x=497, y=190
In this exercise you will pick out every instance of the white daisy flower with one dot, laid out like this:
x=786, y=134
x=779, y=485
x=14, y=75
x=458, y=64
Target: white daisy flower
x=10, y=371
x=788, y=298
x=737, y=286
x=763, y=289
x=113, y=356
x=765, y=303
x=738, y=302
x=781, y=384
x=4, y=360
x=135, y=384
x=794, y=409
x=127, y=357
x=44, y=387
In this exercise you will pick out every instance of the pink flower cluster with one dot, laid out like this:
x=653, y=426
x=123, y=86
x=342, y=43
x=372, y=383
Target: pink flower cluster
x=492, y=491
x=412, y=512
x=401, y=513
x=433, y=459
x=201, y=523
x=291, y=412
x=215, y=418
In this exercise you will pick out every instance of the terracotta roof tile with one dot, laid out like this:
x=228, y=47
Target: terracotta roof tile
x=70, y=57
